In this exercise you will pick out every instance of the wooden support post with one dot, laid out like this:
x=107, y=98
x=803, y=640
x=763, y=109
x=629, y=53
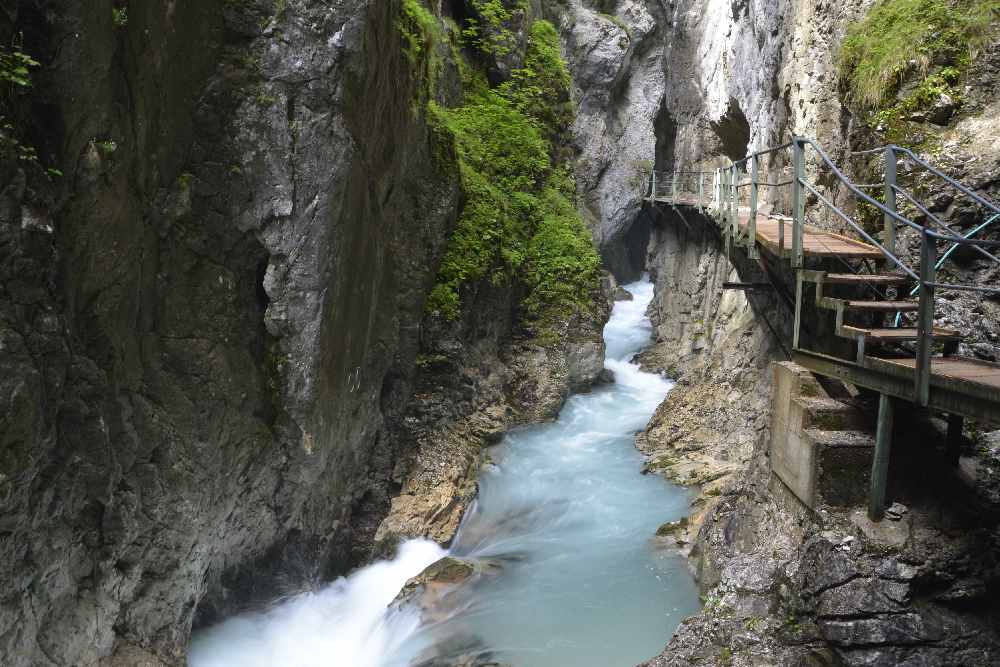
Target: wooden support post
x=798, y=309
x=781, y=237
x=701, y=192
x=954, y=441
x=880, y=463
x=673, y=188
x=652, y=188
x=799, y=200
x=752, y=224
x=925, y=318
x=888, y=222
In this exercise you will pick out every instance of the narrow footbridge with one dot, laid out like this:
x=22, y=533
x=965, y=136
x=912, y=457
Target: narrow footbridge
x=881, y=299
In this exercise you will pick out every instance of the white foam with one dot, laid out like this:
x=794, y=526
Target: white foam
x=344, y=625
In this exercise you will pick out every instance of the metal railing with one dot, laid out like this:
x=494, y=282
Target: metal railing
x=721, y=192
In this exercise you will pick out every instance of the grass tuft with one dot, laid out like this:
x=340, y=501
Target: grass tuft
x=901, y=37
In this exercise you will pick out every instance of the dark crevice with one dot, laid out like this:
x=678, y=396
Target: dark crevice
x=733, y=131
x=665, y=128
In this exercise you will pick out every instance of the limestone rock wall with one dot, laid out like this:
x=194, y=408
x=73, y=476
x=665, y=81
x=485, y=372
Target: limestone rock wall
x=203, y=316
x=735, y=77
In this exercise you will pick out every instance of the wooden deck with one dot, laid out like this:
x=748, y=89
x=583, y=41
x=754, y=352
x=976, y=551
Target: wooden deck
x=815, y=242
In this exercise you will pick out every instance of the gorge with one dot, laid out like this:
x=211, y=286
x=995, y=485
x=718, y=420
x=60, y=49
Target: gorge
x=288, y=288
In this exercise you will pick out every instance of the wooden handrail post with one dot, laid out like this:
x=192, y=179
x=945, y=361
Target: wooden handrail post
x=752, y=224
x=652, y=194
x=888, y=223
x=799, y=201
x=925, y=318
x=673, y=188
x=701, y=192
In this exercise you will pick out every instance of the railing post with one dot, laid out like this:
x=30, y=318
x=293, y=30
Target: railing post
x=734, y=220
x=717, y=188
x=673, y=188
x=701, y=192
x=752, y=224
x=925, y=318
x=889, y=223
x=723, y=197
x=799, y=201
x=653, y=186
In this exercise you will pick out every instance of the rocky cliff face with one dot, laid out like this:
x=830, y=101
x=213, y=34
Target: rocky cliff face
x=203, y=316
x=210, y=320
x=732, y=78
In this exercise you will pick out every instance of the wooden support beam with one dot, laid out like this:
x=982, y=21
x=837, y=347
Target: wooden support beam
x=954, y=439
x=880, y=463
x=747, y=286
x=798, y=309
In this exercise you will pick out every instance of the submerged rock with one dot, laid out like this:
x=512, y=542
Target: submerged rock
x=622, y=294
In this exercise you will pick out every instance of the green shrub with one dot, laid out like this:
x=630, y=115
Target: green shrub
x=562, y=265
x=487, y=31
x=898, y=37
x=15, y=80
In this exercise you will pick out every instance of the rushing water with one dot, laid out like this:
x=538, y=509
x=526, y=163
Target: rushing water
x=564, y=522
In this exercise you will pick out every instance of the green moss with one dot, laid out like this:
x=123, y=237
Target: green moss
x=617, y=21
x=900, y=37
x=562, y=264
x=421, y=32
x=540, y=89
x=418, y=27
x=518, y=222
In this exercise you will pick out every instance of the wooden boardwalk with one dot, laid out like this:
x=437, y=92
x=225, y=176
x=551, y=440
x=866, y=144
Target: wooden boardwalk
x=774, y=234
x=962, y=386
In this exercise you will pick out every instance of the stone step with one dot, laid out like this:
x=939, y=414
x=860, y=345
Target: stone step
x=842, y=463
x=827, y=414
